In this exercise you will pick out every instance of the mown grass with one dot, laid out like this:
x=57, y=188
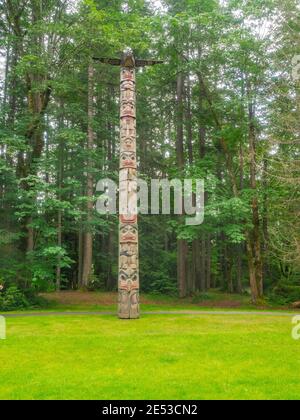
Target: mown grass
x=156, y=357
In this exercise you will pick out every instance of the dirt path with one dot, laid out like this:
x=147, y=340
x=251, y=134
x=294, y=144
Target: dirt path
x=105, y=313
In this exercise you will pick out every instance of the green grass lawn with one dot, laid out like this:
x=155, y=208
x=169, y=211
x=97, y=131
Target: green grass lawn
x=156, y=357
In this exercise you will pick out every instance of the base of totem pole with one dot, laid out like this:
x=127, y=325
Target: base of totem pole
x=129, y=307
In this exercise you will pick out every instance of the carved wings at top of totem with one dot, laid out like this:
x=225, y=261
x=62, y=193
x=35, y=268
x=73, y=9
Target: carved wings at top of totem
x=128, y=62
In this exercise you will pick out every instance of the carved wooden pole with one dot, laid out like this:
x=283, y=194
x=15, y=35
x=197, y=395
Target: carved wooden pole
x=128, y=281
x=128, y=247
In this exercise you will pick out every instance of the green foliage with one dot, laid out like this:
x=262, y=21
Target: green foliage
x=228, y=63
x=284, y=294
x=12, y=299
x=202, y=297
x=162, y=285
x=96, y=283
x=42, y=264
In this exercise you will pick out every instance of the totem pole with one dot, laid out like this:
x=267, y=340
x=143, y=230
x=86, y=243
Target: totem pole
x=128, y=282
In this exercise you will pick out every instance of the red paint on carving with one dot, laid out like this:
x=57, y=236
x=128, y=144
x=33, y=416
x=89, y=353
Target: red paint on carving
x=130, y=220
x=128, y=286
x=128, y=164
x=129, y=238
x=127, y=76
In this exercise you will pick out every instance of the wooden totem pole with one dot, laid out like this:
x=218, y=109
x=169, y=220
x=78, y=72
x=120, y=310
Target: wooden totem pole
x=128, y=282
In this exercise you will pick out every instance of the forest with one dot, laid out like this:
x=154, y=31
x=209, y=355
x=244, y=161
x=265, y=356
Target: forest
x=223, y=107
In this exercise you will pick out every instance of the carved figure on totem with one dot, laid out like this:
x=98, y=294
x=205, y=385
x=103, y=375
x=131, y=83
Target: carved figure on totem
x=128, y=234
x=128, y=127
x=127, y=74
x=128, y=144
x=128, y=304
x=128, y=174
x=128, y=92
x=128, y=202
x=129, y=256
x=132, y=196
x=128, y=160
x=128, y=281
x=128, y=110
x=130, y=219
x=134, y=303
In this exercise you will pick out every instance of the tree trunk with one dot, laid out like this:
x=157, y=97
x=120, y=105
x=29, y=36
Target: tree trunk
x=255, y=240
x=252, y=273
x=182, y=248
x=189, y=122
x=202, y=130
x=80, y=254
x=182, y=267
x=194, y=268
x=30, y=236
x=228, y=262
x=208, y=262
x=111, y=281
x=203, y=263
x=197, y=264
x=239, y=268
x=7, y=66
x=180, y=127
x=240, y=247
x=59, y=244
x=60, y=174
x=88, y=235
x=265, y=221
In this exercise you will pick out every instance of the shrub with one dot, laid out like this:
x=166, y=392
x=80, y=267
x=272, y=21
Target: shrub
x=96, y=283
x=35, y=301
x=162, y=285
x=202, y=297
x=284, y=294
x=12, y=298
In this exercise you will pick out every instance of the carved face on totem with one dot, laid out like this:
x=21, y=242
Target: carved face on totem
x=128, y=281
x=128, y=137
x=128, y=110
x=128, y=144
x=127, y=74
x=128, y=160
x=128, y=234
